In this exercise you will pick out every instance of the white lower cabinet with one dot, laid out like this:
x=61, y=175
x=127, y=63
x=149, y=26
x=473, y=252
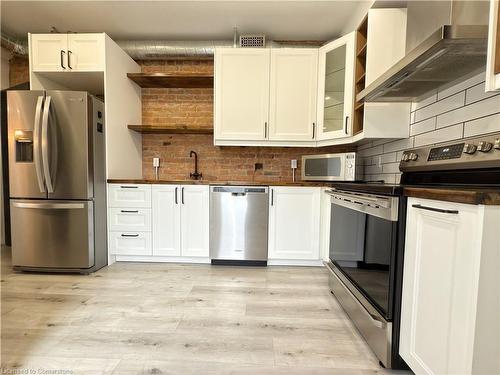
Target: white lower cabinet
x=180, y=220
x=294, y=223
x=166, y=220
x=194, y=221
x=451, y=288
x=130, y=243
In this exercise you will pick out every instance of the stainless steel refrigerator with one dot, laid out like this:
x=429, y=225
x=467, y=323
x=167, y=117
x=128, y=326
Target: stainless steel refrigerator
x=57, y=181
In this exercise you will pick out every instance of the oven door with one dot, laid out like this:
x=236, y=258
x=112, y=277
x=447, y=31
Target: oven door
x=327, y=167
x=363, y=243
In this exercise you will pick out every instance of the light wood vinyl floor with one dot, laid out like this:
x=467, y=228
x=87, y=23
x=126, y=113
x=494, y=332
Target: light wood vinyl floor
x=145, y=318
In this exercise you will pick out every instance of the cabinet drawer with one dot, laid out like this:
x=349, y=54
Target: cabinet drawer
x=130, y=219
x=130, y=243
x=129, y=195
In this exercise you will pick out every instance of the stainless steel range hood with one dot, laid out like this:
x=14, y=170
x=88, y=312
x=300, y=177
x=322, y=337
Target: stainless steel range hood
x=455, y=50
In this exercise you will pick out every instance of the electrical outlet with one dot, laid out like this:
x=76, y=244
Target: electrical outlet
x=258, y=166
x=156, y=162
x=293, y=164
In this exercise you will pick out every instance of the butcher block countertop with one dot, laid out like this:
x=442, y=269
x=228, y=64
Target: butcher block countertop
x=487, y=196
x=221, y=183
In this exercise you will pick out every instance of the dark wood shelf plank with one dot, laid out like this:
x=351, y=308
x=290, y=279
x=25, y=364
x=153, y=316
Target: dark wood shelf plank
x=159, y=129
x=173, y=80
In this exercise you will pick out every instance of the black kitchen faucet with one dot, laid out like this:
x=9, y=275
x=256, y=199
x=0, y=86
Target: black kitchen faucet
x=195, y=175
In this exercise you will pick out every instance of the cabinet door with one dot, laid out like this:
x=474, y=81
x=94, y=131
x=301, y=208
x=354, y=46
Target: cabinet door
x=194, y=220
x=336, y=88
x=294, y=77
x=493, y=60
x=166, y=220
x=130, y=243
x=241, y=93
x=86, y=52
x=48, y=52
x=294, y=223
x=441, y=266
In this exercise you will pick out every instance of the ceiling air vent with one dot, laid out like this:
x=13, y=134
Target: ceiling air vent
x=252, y=40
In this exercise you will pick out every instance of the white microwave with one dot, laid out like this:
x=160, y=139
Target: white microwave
x=331, y=167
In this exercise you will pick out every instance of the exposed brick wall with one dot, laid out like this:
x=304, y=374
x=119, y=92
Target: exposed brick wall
x=195, y=107
x=18, y=70
x=222, y=163
x=190, y=107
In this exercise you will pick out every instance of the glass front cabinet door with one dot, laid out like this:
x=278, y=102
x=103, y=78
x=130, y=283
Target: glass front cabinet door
x=336, y=88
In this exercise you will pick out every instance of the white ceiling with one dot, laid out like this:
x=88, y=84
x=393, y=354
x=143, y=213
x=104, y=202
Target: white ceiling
x=185, y=20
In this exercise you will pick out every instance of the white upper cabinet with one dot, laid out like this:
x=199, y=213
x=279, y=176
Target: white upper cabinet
x=450, y=279
x=86, y=52
x=166, y=220
x=67, y=52
x=195, y=220
x=48, y=52
x=293, y=94
x=294, y=223
x=336, y=88
x=241, y=93
x=493, y=61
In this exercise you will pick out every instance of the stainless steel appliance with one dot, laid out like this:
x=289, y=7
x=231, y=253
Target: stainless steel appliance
x=366, y=255
x=331, y=167
x=445, y=41
x=57, y=181
x=238, y=224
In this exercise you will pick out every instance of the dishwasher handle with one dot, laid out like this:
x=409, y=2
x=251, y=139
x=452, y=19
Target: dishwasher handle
x=234, y=194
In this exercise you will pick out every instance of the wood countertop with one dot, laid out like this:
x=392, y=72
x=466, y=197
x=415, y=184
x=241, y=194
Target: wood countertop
x=222, y=183
x=458, y=195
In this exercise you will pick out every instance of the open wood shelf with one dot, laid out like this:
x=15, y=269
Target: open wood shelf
x=361, y=78
x=173, y=80
x=362, y=51
x=177, y=129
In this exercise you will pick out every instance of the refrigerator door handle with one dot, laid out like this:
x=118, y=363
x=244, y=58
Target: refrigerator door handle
x=49, y=206
x=36, y=144
x=45, y=146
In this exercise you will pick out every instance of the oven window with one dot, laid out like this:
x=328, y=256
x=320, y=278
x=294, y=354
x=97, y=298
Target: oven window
x=323, y=167
x=361, y=246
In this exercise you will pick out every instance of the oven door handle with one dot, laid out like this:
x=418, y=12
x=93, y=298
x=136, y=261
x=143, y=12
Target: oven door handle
x=376, y=321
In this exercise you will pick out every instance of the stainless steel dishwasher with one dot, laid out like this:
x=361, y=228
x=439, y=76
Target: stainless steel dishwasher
x=238, y=225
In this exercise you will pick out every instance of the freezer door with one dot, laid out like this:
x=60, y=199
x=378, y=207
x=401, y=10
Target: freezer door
x=52, y=234
x=24, y=109
x=67, y=146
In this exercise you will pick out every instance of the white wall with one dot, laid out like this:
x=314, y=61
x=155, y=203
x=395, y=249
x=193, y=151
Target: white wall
x=4, y=83
x=464, y=110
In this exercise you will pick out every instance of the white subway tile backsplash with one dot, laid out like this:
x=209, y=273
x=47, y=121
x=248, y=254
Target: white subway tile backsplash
x=423, y=126
x=483, y=125
x=401, y=144
x=425, y=102
x=462, y=86
x=476, y=93
x=440, y=135
x=445, y=105
x=463, y=110
x=470, y=112
x=391, y=168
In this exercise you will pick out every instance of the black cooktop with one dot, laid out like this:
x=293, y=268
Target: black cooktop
x=370, y=187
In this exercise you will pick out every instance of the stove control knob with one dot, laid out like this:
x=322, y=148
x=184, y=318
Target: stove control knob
x=413, y=156
x=497, y=144
x=406, y=157
x=469, y=148
x=485, y=146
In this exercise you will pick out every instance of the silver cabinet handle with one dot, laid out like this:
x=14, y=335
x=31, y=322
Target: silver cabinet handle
x=45, y=145
x=49, y=206
x=36, y=144
x=440, y=210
